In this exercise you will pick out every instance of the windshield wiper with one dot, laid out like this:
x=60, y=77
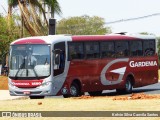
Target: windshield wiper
x=21, y=66
x=35, y=73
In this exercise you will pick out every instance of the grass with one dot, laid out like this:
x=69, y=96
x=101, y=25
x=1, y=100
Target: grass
x=92, y=104
x=70, y=104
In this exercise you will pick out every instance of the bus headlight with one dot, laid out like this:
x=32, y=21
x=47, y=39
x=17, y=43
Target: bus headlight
x=45, y=84
x=11, y=85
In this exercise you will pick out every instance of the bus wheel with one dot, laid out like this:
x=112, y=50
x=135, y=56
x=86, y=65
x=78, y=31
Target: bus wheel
x=128, y=87
x=74, y=90
x=36, y=97
x=95, y=93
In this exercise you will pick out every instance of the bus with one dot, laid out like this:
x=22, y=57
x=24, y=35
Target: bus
x=72, y=65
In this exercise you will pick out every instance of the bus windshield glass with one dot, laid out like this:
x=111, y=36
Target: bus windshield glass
x=28, y=61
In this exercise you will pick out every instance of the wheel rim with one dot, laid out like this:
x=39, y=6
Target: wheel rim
x=128, y=85
x=73, y=91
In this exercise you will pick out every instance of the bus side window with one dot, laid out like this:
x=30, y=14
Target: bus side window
x=121, y=48
x=136, y=48
x=75, y=50
x=92, y=50
x=107, y=49
x=149, y=47
x=59, y=58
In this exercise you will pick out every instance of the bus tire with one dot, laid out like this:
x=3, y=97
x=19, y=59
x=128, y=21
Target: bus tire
x=95, y=93
x=74, y=91
x=36, y=97
x=128, y=87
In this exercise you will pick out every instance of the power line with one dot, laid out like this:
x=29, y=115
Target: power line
x=82, y=25
x=130, y=19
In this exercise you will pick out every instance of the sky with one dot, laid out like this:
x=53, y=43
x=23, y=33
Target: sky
x=112, y=10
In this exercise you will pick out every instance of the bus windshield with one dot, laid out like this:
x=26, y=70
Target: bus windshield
x=28, y=61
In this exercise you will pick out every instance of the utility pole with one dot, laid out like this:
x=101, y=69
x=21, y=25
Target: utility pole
x=52, y=26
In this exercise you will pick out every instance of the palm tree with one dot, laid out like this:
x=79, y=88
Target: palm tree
x=11, y=4
x=29, y=17
x=55, y=7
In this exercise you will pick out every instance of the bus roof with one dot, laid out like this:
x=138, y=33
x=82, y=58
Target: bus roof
x=59, y=38
x=111, y=37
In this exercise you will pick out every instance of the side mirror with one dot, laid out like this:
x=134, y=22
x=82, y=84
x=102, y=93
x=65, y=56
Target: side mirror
x=57, y=59
x=57, y=56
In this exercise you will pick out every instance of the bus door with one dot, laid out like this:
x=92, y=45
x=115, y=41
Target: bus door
x=59, y=58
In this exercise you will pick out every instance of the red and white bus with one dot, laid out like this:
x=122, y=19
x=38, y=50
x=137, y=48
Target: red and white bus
x=71, y=65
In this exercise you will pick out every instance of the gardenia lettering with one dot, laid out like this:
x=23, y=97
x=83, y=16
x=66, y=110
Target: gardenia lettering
x=142, y=64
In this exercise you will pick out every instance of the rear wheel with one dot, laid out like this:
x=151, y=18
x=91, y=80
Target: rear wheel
x=74, y=91
x=128, y=87
x=95, y=93
x=36, y=97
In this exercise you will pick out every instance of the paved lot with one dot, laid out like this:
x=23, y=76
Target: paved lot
x=4, y=95
x=150, y=89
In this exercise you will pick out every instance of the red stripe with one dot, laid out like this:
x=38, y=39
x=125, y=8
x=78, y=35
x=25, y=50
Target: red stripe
x=27, y=83
x=30, y=41
x=102, y=37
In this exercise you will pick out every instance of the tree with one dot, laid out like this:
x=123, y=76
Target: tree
x=83, y=25
x=6, y=37
x=30, y=19
x=146, y=33
x=55, y=7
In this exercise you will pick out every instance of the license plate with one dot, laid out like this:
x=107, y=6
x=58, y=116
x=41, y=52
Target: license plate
x=27, y=92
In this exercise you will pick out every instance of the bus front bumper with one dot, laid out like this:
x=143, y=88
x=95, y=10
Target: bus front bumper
x=44, y=91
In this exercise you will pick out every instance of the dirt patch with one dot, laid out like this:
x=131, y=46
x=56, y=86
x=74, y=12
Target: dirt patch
x=84, y=97
x=39, y=103
x=136, y=96
x=3, y=83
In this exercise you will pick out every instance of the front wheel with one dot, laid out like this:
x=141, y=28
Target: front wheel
x=74, y=91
